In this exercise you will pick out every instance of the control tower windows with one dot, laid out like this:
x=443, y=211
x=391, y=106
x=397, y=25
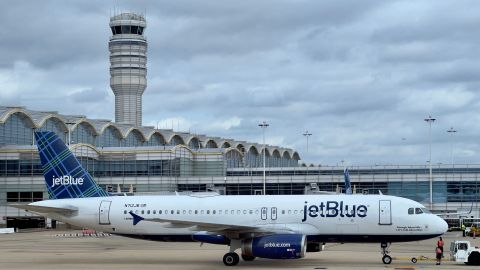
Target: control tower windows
x=127, y=29
x=133, y=29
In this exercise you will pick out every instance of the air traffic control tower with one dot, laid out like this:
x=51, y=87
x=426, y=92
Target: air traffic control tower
x=128, y=66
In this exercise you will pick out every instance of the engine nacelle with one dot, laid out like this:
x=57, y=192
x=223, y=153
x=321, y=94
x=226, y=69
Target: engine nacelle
x=279, y=246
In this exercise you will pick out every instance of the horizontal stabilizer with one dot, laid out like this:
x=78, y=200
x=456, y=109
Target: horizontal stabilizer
x=45, y=209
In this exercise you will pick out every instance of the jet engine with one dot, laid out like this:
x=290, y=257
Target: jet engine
x=278, y=246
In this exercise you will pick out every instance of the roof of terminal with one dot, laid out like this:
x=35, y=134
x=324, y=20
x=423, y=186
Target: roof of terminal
x=38, y=118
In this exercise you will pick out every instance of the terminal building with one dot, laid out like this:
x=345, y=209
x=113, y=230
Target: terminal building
x=126, y=157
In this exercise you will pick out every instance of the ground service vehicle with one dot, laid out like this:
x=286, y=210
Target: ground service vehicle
x=462, y=251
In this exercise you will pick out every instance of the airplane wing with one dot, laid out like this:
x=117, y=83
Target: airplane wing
x=456, y=213
x=45, y=209
x=210, y=226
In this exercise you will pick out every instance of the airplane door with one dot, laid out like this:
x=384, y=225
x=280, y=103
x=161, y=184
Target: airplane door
x=264, y=213
x=104, y=213
x=385, y=212
x=274, y=213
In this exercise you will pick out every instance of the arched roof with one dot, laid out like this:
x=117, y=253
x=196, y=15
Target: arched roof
x=276, y=153
x=84, y=121
x=178, y=136
x=7, y=113
x=108, y=125
x=37, y=119
x=252, y=147
x=83, y=150
x=57, y=117
x=137, y=131
x=212, y=141
x=286, y=154
x=156, y=132
x=228, y=150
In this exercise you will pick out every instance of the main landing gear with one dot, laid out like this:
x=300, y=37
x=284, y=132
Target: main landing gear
x=386, y=259
x=231, y=259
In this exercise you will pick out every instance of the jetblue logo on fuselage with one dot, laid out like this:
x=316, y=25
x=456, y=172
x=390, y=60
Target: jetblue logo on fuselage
x=334, y=209
x=66, y=180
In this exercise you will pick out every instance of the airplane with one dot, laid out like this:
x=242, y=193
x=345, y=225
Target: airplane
x=263, y=226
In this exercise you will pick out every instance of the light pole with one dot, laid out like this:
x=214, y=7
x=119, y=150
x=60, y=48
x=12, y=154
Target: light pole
x=264, y=125
x=69, y=126
x=430, y=120
x=451, y=131
x=307, y=134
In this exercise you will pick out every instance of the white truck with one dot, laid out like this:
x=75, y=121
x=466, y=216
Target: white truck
x=462, y=251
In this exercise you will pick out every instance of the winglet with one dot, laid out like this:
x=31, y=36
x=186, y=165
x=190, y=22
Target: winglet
x=136, y=218
x=348, y=185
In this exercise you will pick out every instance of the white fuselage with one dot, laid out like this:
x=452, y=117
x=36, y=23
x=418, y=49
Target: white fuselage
x=324, y=218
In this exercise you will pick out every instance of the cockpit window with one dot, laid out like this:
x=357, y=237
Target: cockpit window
x=418, y=211
x=410, y=211
x=425, y=210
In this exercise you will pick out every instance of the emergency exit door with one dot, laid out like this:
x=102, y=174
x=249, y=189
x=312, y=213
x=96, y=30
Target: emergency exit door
x=385, y=212
x=104, y=213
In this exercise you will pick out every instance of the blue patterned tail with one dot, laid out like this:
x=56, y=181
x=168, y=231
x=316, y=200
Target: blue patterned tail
x=64, y=175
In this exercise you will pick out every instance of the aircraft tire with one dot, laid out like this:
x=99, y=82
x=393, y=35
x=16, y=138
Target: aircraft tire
x=248, y=258
x=387, y=259
x=231, y=259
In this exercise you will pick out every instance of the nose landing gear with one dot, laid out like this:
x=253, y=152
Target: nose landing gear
x=386, y=259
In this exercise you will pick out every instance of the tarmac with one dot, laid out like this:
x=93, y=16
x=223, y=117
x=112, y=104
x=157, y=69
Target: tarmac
x=65, y=250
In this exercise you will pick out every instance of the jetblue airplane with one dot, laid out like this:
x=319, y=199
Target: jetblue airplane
x=273, y=227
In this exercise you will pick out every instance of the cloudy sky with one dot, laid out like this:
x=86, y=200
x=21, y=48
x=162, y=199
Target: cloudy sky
x=359, y=75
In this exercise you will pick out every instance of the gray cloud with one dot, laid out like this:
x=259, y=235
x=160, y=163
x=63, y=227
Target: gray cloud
x=361, y=76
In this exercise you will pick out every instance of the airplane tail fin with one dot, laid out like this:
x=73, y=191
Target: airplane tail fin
x=348, y=185
x=64, y=175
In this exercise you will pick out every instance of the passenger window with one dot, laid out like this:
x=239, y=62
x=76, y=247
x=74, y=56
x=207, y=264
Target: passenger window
x=178, y=212
x=125, y=212
x=166, y=212
x=196, y=212
x=256, y=212
x=296, y=211
x=232, y=212
x=202, y=211
x=418, y=211
x=189, y=212
x=160, y=212
x=148, y=212
x=172, y=212
x=184, y=212
x=289, y=212
x=219, y=212
x=238, y=212
x=213, y=212
x=208, y=212
x=143, y=212
x=410, y=211
x=251, y=212
x=283, y=212
x=244, y=212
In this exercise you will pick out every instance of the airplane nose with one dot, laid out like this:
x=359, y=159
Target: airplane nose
x=442, y=225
